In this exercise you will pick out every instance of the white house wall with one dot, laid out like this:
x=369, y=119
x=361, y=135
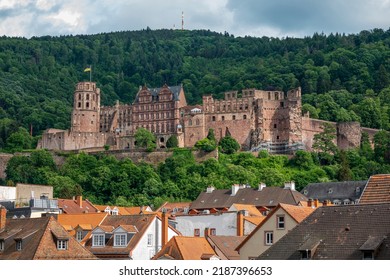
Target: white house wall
x=7, y=193
x=225, y=223
x=144, y=252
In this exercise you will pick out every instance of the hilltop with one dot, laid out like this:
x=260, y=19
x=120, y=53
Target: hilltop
x=343, y=77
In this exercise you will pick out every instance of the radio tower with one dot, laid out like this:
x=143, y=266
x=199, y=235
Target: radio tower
x=182, y=20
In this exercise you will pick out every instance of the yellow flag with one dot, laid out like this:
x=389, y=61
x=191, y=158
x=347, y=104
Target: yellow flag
x=88, y=69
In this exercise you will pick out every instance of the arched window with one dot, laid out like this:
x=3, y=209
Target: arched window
x=189, y=122
x=197, y=122
x=87, y=96
x=79, y=96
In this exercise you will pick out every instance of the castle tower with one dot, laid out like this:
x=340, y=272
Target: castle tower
x=295, y=115
x=86, y=108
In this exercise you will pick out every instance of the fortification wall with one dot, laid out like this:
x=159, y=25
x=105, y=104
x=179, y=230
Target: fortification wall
x=310, y=127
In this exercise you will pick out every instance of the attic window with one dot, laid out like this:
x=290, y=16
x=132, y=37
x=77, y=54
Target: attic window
x=1, y=245
x=62, y=244
x=98, y=240
x=330, y=191
x=19, y=245
x=79, y=235
x=120, y=239
x=306, y=255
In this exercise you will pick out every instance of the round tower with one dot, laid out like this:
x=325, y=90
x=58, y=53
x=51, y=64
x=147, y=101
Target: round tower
x=86, y=108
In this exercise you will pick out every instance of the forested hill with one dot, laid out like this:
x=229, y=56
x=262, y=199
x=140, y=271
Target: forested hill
x=343, y=77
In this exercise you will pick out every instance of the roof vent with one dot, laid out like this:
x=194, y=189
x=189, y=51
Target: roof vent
x=206, y=212
x=262, y=186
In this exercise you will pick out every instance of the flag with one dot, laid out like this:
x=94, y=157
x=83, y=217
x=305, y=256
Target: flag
x=88, y=69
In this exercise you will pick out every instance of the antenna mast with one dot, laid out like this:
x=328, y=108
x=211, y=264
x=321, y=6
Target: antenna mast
x=182, y=20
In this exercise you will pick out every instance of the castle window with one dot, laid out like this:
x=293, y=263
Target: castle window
x=240, y=106
x=277, y=137
x=87, y=96
x=275, y=125
x=246, y=106
x=269, y=95
x=197, y=122
x=162, y=139
x=244, y=117
x=79, y=105
x=276, y=96
x=87, y=105
x=223, y=118
x=213, y=118
x=224, y=107
x=79, y=96
x=190, y=122
x=282, y=104
x=234, y=117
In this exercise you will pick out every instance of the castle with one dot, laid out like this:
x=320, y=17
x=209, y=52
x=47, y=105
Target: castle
x=257, y=119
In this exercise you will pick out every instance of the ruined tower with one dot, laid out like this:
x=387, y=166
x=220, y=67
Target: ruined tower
x=86, y=108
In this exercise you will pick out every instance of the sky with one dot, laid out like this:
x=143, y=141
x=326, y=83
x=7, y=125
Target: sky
x=273, y=18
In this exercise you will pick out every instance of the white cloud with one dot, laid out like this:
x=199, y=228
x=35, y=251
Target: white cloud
x=250, y=17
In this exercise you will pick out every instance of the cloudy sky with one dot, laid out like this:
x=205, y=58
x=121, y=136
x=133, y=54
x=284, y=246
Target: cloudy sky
x=277, y=18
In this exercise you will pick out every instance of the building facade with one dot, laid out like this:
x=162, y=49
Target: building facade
x=257, y=119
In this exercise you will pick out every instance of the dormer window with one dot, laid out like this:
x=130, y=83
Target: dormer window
x=19, y=245
x=79, y=235
x=115, y=211
x=308, y=248
x=120, y=239
x=371, y=247
x=62, y=244
x=98, y=240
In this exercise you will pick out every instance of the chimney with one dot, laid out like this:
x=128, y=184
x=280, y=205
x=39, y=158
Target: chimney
x=315, y=203
x=289, y=185
x=164, y=230
x=310, y=202
x=3, y=217
x=235, y=189
x=207, y=232
x=262, y=186
x=210, y=189
x=326, y=202
x=240, y=223
x=79, y=201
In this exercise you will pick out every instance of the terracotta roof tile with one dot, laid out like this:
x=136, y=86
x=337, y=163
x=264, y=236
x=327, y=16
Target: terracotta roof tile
x=186, y=248
x=70, y=206
x=227, y=245
x=39, y=240
x=377, y=189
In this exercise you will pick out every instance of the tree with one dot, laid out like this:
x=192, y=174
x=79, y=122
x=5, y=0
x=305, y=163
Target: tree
x=19, y=140
x=382, y=146
x=207, y=144
x=323, y=141
x=172, y=142
x=229, y=145
x=145, y=139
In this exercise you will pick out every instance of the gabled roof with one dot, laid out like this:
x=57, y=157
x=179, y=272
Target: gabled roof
x=297, y=213
x=140, y=222
x=70, y=206
x=252, y=210
x=39, y=240
x=351, y=190
x=186, y=248
x=155, y=91
x=377, y=189
x=84, y=220
x=268, y=197
x=337, y=233
x=226, y=245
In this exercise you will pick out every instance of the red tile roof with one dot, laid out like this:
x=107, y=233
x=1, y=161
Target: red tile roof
x=70, y=206
x=39, y=240
x=377, y=189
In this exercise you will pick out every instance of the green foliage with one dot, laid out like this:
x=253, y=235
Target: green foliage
x=229, y=145
x=145, y=139
x=323, y=141
x=172, y=142
x=19, y=141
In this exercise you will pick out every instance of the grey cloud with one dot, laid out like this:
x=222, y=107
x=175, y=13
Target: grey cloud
x=308, y=16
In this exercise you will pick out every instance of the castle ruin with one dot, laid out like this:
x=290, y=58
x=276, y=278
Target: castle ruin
x=257, y=119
